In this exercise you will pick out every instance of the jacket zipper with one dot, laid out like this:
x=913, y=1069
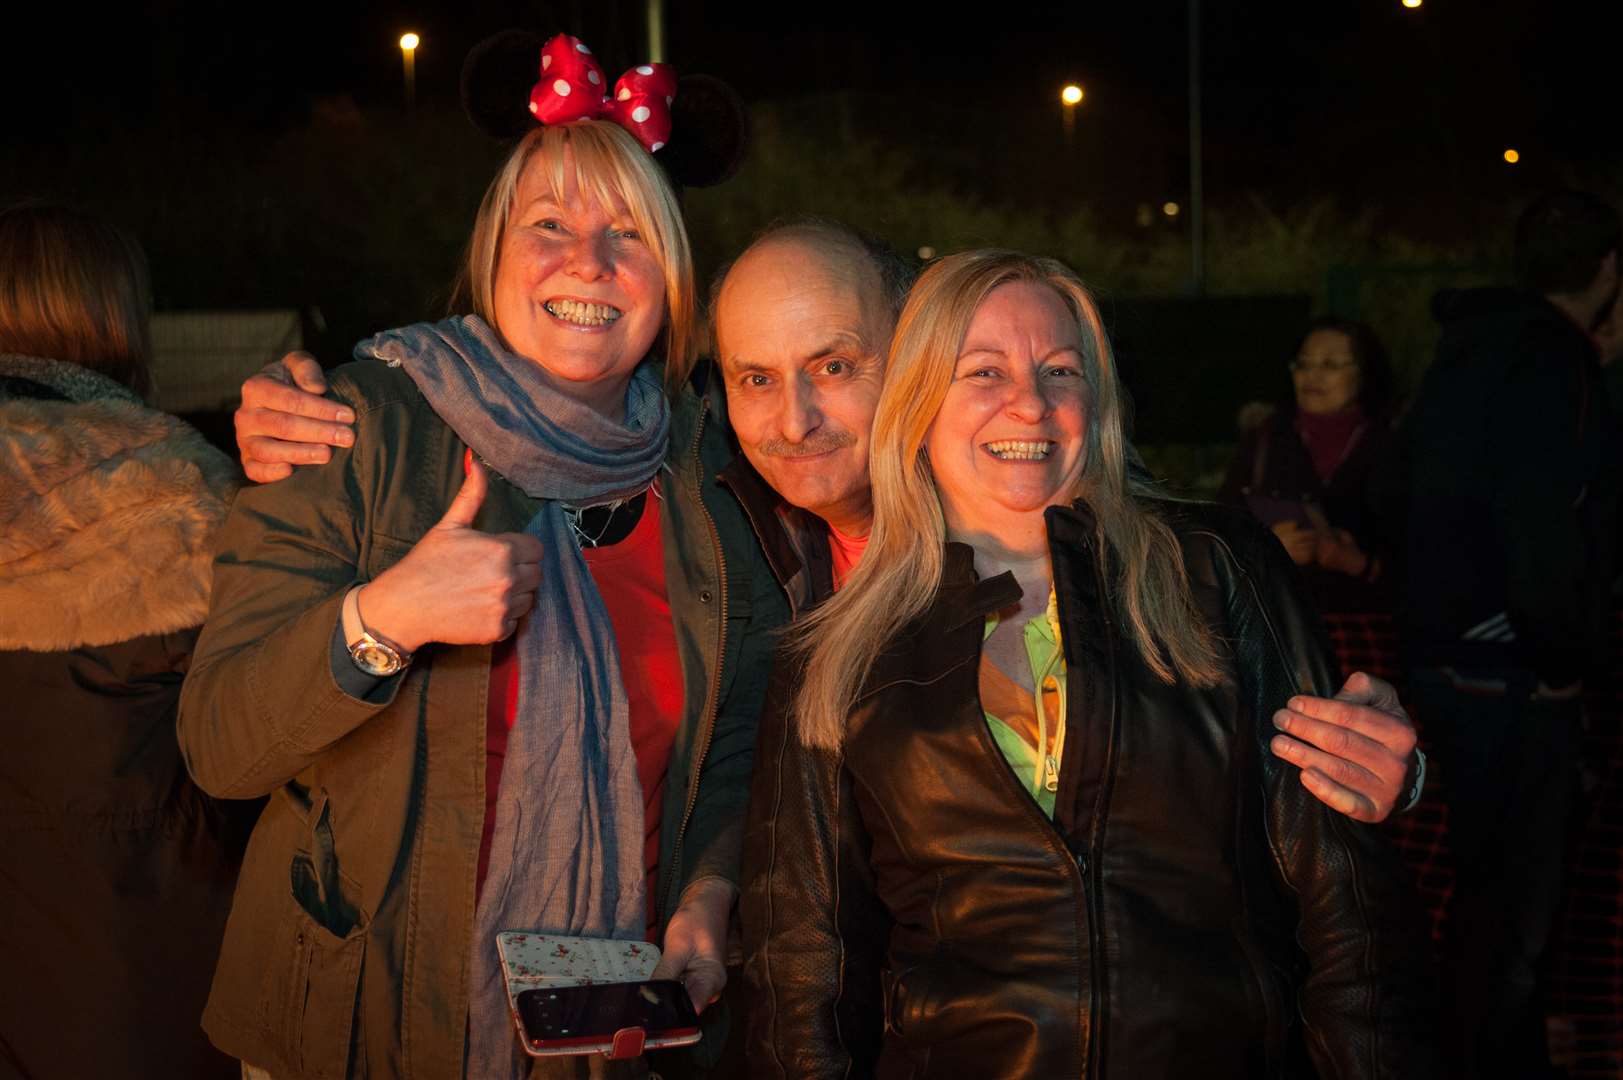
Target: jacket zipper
x=1080, y=865
x=1077, y=864
x=712, y=692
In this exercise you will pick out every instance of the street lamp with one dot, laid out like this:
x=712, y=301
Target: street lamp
x=1412, y=4
x=1070, y=97
x=1511, y=156
x=408, y=59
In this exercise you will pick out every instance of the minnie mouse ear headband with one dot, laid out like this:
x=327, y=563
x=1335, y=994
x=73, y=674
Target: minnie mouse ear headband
x=695, y=126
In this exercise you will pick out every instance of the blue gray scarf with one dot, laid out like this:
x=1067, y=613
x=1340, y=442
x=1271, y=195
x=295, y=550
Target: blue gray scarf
x=566, y=856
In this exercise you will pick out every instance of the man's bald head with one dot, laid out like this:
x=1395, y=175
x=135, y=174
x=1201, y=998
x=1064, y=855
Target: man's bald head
x=886, y=276
x=802, y=321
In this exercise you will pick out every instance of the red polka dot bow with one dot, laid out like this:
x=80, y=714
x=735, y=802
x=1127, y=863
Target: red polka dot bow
x=572, y=88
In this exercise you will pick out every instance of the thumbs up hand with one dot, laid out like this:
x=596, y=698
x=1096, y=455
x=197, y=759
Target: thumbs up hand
x=457, y=585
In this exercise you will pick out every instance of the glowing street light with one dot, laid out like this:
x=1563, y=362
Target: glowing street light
x=1511, y=156
x=1171, y=209
x=1070, y=97
x=408, y=59
x=1412, y=4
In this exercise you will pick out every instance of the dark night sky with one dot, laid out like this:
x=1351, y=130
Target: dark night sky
x=263, y=156
x=1358, y=98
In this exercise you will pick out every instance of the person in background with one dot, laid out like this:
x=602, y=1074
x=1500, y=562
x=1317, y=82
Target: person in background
x=1014, y=813
x=1609, y=346
x=1315, y=471
x=1512, y=456
x=118, y=870
x=1608, y=337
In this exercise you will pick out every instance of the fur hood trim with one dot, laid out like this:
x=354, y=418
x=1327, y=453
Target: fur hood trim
x=107, y=513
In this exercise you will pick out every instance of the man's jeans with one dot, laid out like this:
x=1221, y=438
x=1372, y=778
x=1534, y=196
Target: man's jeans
x=1510, y=770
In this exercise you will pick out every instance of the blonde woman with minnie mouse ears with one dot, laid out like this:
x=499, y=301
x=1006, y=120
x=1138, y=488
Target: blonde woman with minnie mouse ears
x=484, y=660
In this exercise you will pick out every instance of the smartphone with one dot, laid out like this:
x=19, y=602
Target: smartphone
x=587, y=1017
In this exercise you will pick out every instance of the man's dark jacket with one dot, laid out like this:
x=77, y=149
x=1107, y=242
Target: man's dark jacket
x=1511, y=451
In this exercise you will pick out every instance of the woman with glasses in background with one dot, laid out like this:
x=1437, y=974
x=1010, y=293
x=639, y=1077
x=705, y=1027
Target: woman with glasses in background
x=1314, y=471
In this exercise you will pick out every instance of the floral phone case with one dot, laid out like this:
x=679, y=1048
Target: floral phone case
x=531, y=961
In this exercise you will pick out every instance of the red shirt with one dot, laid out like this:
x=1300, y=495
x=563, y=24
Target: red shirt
x=630, y=576
x=847, y=552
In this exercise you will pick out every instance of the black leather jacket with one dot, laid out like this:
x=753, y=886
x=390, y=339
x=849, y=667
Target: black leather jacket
x=1192, y=910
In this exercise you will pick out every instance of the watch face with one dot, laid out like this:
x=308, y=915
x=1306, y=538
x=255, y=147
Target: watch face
x=375, y=659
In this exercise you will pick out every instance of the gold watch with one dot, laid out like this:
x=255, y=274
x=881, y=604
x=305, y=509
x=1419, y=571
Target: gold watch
x=372, y=653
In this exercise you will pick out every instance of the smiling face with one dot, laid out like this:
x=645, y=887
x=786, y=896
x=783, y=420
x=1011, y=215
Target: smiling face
x=1010, y=438
x=577, y=290
x=1325, y=373
x=801, y=334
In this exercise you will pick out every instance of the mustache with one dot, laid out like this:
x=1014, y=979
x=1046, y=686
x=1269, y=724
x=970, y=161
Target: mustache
x=820, y=443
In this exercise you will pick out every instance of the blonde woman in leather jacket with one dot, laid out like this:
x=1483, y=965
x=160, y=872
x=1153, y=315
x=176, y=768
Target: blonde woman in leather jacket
x=1014, y=813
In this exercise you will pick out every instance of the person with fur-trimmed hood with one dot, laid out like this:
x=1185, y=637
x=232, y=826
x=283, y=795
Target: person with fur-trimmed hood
x=118, y=871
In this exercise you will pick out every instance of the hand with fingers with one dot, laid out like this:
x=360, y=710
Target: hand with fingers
x=1356, y=750
x=1299, y=540
x=1338, y=550
x=696, y=940
x=457, y=585
x=284, y=421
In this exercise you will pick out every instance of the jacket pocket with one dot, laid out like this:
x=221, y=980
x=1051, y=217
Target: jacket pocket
x=892, y=986
x=309, y=993
x=904, y=994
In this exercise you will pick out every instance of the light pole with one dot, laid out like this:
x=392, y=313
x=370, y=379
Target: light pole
x=656, y=31
x=1197, y=193
x=408, y=60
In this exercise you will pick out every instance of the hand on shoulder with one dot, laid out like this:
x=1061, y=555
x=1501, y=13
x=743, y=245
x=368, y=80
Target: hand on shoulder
x=284, y=420
x=1356, y=750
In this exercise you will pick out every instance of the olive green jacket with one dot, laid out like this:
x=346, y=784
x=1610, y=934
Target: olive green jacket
x=347, y=949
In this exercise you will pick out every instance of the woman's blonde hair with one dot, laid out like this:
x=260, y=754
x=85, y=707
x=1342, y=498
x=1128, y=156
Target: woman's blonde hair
x=900, y=572
x=611, y=168
x=75, y=288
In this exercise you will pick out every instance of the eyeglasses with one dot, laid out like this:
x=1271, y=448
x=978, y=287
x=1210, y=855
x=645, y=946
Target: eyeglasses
x=1298, y=367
